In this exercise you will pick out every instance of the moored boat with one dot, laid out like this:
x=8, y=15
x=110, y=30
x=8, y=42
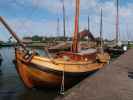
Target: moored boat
x=46, y=72
x=63, y=68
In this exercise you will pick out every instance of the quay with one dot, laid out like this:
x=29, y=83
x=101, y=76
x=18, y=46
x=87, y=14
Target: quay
x=113, y=82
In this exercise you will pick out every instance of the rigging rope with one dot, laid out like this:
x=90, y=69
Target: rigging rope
x=63, y=81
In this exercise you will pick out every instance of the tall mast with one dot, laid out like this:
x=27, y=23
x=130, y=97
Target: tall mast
x=101, y=29
x=88, y=23
x=58, y=25
x=128, y=34
x=64, y=19
x=117, y=21
x=75, y=37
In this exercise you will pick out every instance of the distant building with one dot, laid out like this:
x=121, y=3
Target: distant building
x=27, y=40
x=1, y=41
x=87, y=33
x=91, y=39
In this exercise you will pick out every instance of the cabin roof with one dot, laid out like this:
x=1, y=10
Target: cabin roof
x=85, y=33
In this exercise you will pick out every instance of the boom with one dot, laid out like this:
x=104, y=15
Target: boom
x=12, y=32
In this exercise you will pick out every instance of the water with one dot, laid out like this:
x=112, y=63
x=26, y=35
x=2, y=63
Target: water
x=11, y=87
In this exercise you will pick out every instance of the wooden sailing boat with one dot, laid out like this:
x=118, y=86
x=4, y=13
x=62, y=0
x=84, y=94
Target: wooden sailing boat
x=117, y=48
x=64, y=68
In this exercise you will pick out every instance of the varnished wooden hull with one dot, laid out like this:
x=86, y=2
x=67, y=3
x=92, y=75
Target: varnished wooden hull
x=43, y=75
x=36, y=77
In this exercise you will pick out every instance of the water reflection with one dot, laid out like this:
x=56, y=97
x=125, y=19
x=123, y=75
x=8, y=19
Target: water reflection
x=11, y=87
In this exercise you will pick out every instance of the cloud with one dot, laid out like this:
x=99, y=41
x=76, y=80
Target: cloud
x=47, y=27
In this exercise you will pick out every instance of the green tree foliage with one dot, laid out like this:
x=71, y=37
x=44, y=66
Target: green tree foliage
x=37, y=38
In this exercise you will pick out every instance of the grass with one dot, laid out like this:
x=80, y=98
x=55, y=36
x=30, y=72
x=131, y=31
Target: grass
x=130, y=46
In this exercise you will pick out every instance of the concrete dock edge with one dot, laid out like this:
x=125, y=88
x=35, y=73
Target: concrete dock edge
x=113, y=82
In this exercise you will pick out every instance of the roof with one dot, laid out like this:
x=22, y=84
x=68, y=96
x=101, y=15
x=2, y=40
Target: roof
x=1, y=41
x=27, y=37
x=85, y=33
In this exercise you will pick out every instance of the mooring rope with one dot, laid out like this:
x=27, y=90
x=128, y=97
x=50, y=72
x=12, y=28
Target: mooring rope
x=63, y=81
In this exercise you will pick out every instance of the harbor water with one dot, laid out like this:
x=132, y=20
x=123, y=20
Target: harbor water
x=12, y=88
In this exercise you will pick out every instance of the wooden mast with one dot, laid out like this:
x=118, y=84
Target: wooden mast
x=76, y=37
x=117, y=22
x=64, y=19
x=101, y=30
x=88, y=23
x=58, y=25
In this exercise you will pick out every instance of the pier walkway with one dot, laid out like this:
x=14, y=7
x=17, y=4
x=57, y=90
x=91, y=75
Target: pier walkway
x=114, y=82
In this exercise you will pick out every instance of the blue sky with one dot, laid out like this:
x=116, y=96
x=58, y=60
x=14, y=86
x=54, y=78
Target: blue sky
x=39, y=17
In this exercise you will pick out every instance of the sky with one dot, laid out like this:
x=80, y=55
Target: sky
x=39, y=17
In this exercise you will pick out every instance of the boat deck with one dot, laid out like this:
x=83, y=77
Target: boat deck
x=88, y=51
x=114, y=82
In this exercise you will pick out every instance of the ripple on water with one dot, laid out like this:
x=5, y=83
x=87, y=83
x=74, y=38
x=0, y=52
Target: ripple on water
x=11, y=87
